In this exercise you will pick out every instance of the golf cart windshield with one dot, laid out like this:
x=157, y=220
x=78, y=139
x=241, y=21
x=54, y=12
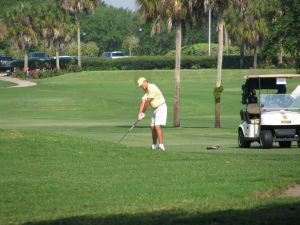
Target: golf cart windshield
x=275, y=102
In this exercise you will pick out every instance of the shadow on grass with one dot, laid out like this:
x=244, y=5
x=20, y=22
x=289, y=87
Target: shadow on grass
x=272, y=214
x=164, y=127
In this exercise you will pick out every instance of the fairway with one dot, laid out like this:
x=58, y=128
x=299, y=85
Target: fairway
x=61, y=164
x=104, y=105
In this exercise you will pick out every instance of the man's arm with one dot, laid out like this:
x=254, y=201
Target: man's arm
x=143, y=107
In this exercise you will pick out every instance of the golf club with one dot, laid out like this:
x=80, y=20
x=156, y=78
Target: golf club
x=142, y=115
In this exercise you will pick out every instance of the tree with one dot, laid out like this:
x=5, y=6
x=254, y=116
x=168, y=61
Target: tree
x=20, y=23
x=3, y=31
x=248, y=26
x=108, y=27
x=6, y=4
x=75, y=7
x=55, y=26
x=287, y=28
x=131, y=43
x=3, y=36
x=257, y=27
x=236, y=29
x=218, y=6
x=89, y=48
x=272, y=44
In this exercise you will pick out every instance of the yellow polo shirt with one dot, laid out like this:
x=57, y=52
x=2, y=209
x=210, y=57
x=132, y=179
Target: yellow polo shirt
x=155, y=94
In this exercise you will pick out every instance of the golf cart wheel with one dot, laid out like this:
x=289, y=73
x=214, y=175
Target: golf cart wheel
x=285, y=144
x=266, y=139
x=242, y=142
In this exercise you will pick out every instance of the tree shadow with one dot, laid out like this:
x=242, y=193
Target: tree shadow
x=270, y=214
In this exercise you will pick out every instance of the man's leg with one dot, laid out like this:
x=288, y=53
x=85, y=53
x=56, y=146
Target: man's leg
x=160, y=119
x=159, y=133
x=154, y=135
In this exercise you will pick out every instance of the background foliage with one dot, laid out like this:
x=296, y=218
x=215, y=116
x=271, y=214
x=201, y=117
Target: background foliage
x=107, y=29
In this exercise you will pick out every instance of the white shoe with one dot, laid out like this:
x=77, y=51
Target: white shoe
x=154, y=147
x=161, y=147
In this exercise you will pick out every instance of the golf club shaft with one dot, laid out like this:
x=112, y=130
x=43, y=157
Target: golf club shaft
x=129, y=130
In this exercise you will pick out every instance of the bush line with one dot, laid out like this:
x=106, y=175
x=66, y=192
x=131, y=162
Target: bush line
x=156, y=62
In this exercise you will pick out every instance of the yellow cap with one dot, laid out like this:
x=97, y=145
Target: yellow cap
x=140, y=81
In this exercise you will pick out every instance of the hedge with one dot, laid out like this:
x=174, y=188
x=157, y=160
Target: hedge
x=34, y=64
x=162, y=62
x=156, y=62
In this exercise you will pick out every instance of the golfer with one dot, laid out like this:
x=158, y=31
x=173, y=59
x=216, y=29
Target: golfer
x=153, y=96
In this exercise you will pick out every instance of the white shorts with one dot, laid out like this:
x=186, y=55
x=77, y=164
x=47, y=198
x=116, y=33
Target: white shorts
x=159, y=115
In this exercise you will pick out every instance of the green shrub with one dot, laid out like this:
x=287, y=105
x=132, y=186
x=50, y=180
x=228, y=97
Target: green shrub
x=149, y=63
x=74, y=68
x=34, y=64
x=201, y=49
x=45, y=73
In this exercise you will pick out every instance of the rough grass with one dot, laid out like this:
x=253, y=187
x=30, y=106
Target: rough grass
x=49, y=178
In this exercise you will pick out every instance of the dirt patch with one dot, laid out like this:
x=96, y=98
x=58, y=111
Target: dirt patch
x=291, y=192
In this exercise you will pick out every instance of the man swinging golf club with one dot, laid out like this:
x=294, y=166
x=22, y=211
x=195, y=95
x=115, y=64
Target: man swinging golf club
x=153, y=96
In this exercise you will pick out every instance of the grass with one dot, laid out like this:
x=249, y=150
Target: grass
x=61, y=164
x=4, y=84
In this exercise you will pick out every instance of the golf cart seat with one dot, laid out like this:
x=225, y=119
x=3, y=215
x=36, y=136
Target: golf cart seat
x=254, y=113
x=253, y=108
x=245, y=116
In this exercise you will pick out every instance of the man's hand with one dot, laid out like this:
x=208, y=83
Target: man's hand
x=141, y=116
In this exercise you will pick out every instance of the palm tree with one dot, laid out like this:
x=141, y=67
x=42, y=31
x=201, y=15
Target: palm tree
x=234, y=24
x=174, y=13
x=131, y=43
x=248, y=26
x=257, y=27
x=218, y=6
x=76, y=7
x=56, y=27
x=19, y=21
x=3, y=30
x=275, y=11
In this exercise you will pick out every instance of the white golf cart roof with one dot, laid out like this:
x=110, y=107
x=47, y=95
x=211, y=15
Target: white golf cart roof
x=272, y=76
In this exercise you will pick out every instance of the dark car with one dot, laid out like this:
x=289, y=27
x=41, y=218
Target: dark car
x=5, y=63
x=35, y=56
x=40, y=55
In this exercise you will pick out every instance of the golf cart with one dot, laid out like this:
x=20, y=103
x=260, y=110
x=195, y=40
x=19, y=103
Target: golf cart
x=273, y=115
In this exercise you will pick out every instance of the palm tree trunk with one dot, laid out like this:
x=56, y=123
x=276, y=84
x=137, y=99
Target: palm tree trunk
x=226, y=40
x=26, y=60
x=280, y=55
x=177, y=75
x=219, y=68
x=255, y=57
x=242, y=50
x=209, y=30
x=280, y=52
x=78, y=40
x=57, y=58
